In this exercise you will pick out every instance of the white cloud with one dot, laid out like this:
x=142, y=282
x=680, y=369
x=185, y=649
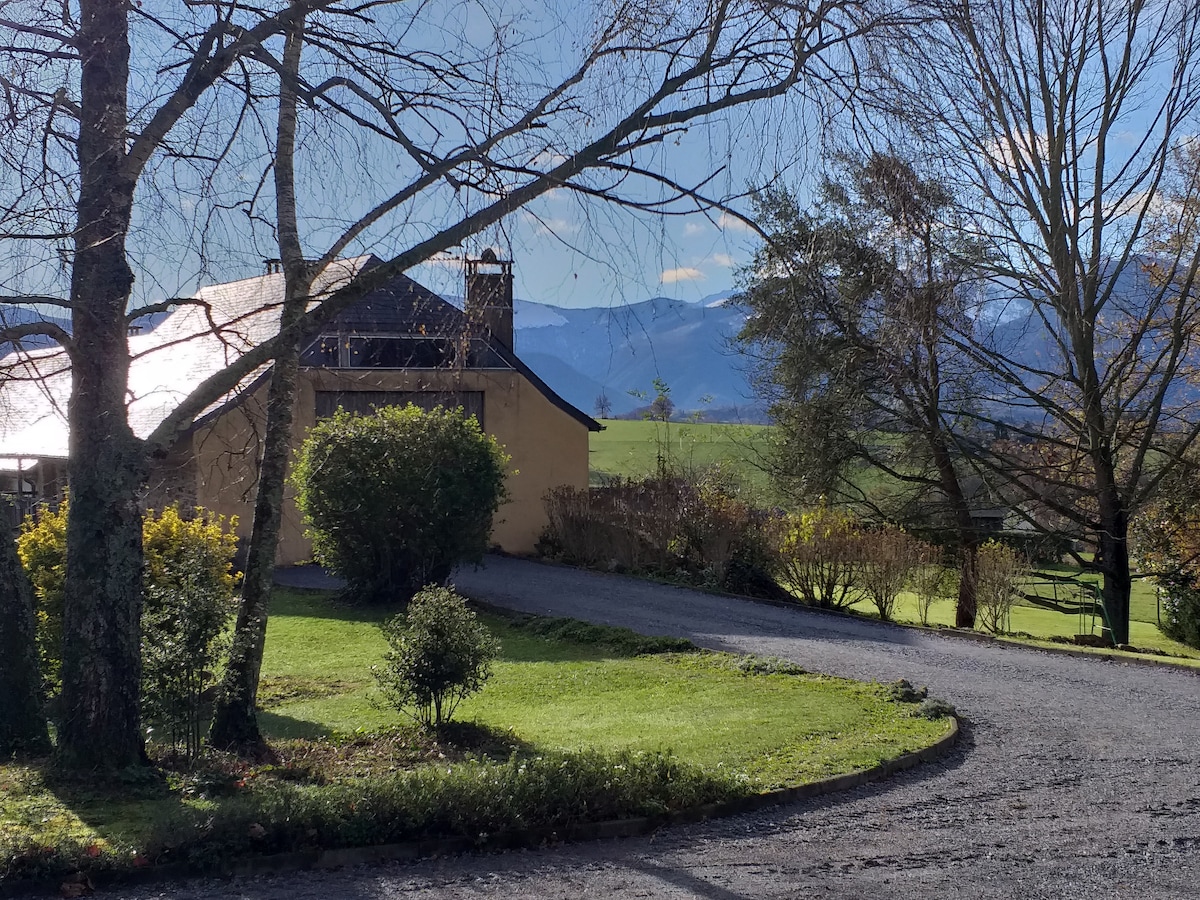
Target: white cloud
x=691, y=229
x=683, y=273
x=549, y=225
x=553, y=226
x=548, y=159
x=726, y=222
x=723, y=259
x=1137, y=203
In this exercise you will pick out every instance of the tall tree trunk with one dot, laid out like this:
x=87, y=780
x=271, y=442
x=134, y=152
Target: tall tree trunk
x=1116, y=587
x=967, y=536
x=968, y=581
x=22, y=705
x=106, y=469
x=1112, y=542
x=235, y=722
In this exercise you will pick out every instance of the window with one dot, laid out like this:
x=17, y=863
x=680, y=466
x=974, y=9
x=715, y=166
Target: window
x=366, y=402
x=323, y=352
x=401, y=353
x=352, y=351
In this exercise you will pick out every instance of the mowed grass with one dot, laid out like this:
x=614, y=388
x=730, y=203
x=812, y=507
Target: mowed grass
x=1049, y=617
x=560, y=694
x=549, y=692
x=631, y=450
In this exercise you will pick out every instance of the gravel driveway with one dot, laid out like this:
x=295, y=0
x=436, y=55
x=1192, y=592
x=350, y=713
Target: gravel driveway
x=1075, y=778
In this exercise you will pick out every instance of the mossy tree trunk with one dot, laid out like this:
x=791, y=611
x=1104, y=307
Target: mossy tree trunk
x=103, y=591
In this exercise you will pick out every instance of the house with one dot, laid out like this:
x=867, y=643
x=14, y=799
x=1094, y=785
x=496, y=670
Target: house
x=398, y=344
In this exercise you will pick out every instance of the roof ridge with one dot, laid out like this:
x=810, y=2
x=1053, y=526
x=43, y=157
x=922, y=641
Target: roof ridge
x=263, y=275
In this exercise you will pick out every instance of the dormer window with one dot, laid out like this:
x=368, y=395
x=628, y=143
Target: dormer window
x=332, y=351
x=323, y=353
x=409, y=351
x=418, y=352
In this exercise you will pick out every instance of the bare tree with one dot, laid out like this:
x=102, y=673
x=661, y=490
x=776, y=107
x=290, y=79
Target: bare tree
x=603, y=405
x=454, y=135
x=235, y=722
x=1059, y=119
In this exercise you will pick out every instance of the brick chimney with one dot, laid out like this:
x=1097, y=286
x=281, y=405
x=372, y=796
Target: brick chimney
x=490, y=296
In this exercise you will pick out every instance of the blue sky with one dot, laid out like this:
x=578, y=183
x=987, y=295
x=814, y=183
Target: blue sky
x=567, y=250
x=568, y=255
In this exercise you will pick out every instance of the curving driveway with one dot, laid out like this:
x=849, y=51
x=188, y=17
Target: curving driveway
x=1075, y=778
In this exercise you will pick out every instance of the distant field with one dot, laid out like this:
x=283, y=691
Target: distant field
x=632, y=449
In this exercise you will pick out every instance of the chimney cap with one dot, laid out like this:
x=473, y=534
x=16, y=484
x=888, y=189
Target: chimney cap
x=488, y=256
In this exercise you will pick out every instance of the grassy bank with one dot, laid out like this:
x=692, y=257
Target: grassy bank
x=577, y=723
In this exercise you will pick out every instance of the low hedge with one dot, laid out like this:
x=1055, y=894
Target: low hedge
x=472, y=799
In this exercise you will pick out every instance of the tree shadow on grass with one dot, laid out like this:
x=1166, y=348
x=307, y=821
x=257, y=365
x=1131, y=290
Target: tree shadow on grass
x=123, y=809
x=119, y=810
x=520, y=648
x=320, y=604
x=281, y=727
x=532, y=638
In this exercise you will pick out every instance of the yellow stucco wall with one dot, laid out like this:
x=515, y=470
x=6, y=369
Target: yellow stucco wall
x=548, y=447
x=226, y=454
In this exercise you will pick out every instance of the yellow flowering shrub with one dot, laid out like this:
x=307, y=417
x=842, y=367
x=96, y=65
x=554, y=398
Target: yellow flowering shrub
x=197, y=551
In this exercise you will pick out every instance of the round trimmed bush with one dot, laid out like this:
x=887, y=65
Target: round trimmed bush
x=396, y=499
x=440, y=654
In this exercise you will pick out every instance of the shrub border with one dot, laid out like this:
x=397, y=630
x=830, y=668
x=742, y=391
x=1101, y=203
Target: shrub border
x=301, y=860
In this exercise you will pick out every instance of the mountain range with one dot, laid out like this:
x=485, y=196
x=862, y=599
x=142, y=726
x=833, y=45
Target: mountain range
x=619, y=352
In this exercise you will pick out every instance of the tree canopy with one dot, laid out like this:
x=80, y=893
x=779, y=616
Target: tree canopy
x=857, y=307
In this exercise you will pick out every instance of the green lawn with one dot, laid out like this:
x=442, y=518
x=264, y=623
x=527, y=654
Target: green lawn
x=548, y=694
x=1050, y=618
x=567, y=695
x=632, y=449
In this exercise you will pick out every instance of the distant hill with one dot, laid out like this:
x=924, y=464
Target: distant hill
x=582, y=353
x=20, y=315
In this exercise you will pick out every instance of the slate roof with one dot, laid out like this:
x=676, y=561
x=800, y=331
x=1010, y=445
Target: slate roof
x=198, y=340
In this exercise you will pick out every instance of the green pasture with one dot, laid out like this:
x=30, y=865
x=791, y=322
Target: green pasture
x=633, y=449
